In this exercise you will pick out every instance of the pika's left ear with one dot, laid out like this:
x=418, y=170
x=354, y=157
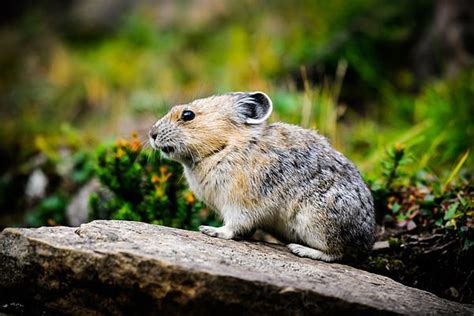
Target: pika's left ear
x=256, y=107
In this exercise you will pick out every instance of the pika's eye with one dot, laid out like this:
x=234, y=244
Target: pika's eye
x=187, y=115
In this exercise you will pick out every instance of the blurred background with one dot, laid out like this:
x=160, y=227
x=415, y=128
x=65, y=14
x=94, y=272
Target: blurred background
x=371, y=75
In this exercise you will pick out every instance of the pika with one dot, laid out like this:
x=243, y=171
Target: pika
x=281, y=178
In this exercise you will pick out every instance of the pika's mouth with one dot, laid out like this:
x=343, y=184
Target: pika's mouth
x=167, y=149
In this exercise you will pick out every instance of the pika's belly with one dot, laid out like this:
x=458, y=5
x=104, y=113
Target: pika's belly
x=281, y=227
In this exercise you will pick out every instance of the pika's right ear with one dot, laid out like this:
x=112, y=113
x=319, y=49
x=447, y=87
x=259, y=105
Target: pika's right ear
x=255, y=106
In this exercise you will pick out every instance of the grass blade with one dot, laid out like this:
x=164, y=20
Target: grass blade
x=455, y=170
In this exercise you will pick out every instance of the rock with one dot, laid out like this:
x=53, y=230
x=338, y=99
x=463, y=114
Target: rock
x=78, y=210
x=36, y=185
x=119, y=267
x=381, y=245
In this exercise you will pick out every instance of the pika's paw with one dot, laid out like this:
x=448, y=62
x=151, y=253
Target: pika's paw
x=219, y=232
x=307, y=252
x=208, y=230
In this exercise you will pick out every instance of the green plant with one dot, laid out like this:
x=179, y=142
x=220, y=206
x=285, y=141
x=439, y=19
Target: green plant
x=145, y=187
x=392, y=166
x=51, y=211
x=421, y=201
x=67, y=165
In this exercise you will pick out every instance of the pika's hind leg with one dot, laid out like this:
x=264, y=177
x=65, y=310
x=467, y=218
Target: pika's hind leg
x=307, y=252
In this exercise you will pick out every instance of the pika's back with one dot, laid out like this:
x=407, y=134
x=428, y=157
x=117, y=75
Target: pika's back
x=284, y=158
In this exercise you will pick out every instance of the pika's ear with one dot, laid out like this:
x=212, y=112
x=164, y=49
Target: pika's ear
x=255, y=106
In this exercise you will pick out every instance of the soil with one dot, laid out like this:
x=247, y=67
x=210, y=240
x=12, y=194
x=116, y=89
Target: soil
x=435, y=261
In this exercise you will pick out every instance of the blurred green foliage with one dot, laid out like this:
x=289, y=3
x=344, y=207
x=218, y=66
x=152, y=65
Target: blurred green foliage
x=67, y=167
x=51, y=211
x=351, y=51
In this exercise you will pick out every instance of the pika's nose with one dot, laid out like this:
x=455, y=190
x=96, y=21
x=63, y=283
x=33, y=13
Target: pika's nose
x=153, y=134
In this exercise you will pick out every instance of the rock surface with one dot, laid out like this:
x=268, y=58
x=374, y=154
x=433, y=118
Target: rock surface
x=117, y=267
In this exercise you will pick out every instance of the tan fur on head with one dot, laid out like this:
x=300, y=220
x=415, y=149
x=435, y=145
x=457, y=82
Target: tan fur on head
x=219, y=121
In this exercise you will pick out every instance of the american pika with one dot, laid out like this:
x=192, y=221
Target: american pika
x=278, y=177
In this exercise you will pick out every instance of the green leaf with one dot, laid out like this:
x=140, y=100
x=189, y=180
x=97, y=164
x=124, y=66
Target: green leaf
x=395, y=208
x=402, y=217
x=468, y=243
x=451, y=211
x=455, y=170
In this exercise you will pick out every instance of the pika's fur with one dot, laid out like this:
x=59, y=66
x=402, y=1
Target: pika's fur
x=281, y=178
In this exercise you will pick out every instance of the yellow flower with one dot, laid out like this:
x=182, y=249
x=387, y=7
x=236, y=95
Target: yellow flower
x=120, y=153
x=121, y=142
x=52, y=222
x=135, y=145
x=398, y=147
x=189, y=197
x=155, y=179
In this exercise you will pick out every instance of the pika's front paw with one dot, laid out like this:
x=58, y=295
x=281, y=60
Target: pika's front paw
x=208, y=230
x=219, y=232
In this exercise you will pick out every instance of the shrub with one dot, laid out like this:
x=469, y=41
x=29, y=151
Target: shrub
x=145, y=187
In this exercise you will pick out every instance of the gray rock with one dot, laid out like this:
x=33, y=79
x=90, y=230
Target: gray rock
x=36, y=185
x=118, y=267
